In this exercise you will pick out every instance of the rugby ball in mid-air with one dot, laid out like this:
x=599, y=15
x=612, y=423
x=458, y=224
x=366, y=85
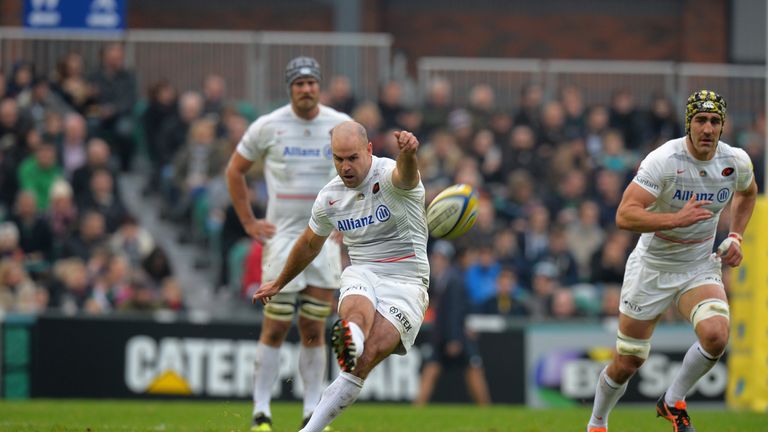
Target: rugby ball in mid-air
x=452, y=212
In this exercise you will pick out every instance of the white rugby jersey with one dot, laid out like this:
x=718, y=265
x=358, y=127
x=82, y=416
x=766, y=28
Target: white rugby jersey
x=384, y=228
x=297, y=161
x=672, y=175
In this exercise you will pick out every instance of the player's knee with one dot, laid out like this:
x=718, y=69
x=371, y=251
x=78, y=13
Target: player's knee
x=713, y=336
x=312, y=332
x=710, y=319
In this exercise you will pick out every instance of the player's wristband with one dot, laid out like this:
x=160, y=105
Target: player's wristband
x=736, y=236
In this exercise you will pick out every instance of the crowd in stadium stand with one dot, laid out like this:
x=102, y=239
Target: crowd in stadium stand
x=550, y=175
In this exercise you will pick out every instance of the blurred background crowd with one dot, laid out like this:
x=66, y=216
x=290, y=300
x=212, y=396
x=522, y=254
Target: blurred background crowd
x=550, y=175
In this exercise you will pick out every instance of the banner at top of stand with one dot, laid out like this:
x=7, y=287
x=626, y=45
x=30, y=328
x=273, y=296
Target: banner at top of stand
x=99, y=15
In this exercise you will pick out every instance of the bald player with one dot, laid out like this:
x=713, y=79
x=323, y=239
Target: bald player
x=378, y=206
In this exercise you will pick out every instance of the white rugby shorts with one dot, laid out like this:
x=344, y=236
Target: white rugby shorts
x=646, y=293
x=323, y=272
x=402, y=301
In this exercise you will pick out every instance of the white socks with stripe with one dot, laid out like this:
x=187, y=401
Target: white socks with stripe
x=341, y=393
x=607, y=393
x=266, y=369
x=696, y=364
x=312, y=369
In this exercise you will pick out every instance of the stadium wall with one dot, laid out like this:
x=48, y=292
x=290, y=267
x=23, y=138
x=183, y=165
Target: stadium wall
x=669, y=30
x=127, y=358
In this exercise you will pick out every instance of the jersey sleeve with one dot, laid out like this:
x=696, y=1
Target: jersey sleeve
x=650, y=175
x=253, y=144
x=744, y=170
x=319, y=222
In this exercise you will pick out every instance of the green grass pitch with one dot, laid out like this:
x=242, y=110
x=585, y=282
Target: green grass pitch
x=160, y=416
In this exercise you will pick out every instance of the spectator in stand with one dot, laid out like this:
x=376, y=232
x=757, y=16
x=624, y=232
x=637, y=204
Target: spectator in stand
x=53, y=128
x=214, y=97
x=625, y=117
x=171, y=295
x=157, y=266
x=9, y=242
x=572, y=100
x=562, y=305
x=607, y=263
x=531, y=99
x=521, y=152
x=664, y=124
x=98, y=157
x=194, y=166
x=18, y=293
x=610, y=301
x=38, y=100
x=488, y=154
x=132, y=241
x=460, y=125
x=597, y=124
x=101, y=198
x=557, y=253
x=615, y=156
x=608, y=185
x=753, y=142
x=439, y=158
x=585, y=236
x=62, y=215
x=368, y=114
x=481, y=105
x=534, y=237
x=38, y=172
x=91, y=235
x=175, y=130
x=391, y=105
x=501, y=125
x=544, y=284
x=161, y=108
x=437, y=106
x=140, y=295
x=70, y=83
x=571, y=192
x=35, y=237
x=451, y=344
x=480, y=276
x=71, y=287
x=511, y=297
x=552, y=130
x=340, y=95
x=14, y=127
x=72, y=153
x=21, y=79
x=114, y=92
x=113, y=287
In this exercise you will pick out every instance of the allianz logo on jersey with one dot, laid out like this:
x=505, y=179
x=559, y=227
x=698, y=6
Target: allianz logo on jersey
x=382, y=214
x=684, y=195
x=296, y=151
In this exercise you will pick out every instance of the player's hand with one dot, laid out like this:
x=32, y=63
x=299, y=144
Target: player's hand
x=693, y=212
x=260, y=230
x=265, y=292
x=406, y=141
x=729, y=250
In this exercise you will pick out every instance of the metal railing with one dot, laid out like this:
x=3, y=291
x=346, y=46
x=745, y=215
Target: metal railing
x=251, y=62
